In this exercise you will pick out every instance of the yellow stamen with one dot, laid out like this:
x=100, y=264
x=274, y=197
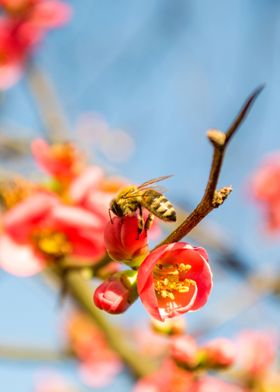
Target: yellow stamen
x=53, y=244
x=167, y=279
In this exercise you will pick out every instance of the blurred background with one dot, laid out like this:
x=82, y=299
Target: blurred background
x=139, y=83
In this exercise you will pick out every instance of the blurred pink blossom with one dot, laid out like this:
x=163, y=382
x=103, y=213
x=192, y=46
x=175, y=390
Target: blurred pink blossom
x=40, y=230
x=219, y=352
x=212, y=384
x=265, y=188
x=256, y=351
x=22, y=27
x=183, y=349
x=168, y=378
x=98, y=363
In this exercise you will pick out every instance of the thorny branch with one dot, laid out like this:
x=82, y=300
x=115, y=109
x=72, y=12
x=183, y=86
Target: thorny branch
x=213, y=198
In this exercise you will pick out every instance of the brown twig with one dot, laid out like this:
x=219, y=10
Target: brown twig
x=213, y=198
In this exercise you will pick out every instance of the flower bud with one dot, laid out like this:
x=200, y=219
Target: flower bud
x=123, y=241
x=184, y=350
x=116, y=294
x=219, y=353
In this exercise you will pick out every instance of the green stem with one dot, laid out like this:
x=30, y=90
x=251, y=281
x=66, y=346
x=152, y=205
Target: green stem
x=32, y=354
x=82, y=294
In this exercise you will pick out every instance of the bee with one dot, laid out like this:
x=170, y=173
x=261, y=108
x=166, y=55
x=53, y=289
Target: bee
x=133, y=198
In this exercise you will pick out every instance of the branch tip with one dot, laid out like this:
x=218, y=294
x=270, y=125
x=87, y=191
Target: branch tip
x=213, y=198
x=243, y=112
x=216, y=137
x=221, y=195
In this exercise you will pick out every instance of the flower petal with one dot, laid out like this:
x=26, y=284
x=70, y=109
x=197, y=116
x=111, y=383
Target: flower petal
x=19, y=259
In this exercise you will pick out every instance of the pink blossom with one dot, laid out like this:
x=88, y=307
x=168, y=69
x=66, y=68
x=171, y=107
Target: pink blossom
x=123, y=241
x=93, y=191
x=19, y=258
x=256, y=351
x=265, y=182
x=13, y=51
x=62, y=161
x=168, y=378
x=183, y=349
x=40, y=230
x=149, y=342
x=219, y=352
x=98, y=363
x=45, y=14
x=212, y=384
x=24, y=26
x=265, y=188
x=174, y=279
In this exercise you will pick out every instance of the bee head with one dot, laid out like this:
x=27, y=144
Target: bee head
x=116, y=209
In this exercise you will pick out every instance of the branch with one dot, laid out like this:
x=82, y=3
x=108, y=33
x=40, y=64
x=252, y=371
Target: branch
x=32, y=354
x=213, y=198
x=82, y=294
x=48, y=104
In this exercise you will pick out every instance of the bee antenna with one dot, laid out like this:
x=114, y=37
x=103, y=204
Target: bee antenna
x=110, y=215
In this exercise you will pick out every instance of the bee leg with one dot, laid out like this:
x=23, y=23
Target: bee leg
x=149, y=222
x=110, y=215
x=140, y=221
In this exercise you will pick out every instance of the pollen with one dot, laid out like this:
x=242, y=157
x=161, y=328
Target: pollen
x=13, y=191
x=170, y=278
x=52, y=243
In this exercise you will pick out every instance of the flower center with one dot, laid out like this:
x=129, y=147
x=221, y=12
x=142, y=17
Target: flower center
x=14, y=191
x=171, y=277
x=52, y=243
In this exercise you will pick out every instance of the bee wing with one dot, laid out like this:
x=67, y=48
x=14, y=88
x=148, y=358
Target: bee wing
x=153, y=181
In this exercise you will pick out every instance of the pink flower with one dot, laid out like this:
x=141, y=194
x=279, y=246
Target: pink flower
x=98, y=363
x=61, y=161
x=174, y=279
x=149, y=342
x=40, y=230
x=212, y=384
x=93, y=191
x=256, y=351
x=23, y=27
x=13, y=52
x=265, y=187
x=184, y=350
x=123, y=241
x=265, y=182
x=219, y=352
x=116, y=294
x=168, y=378
x=45, y=14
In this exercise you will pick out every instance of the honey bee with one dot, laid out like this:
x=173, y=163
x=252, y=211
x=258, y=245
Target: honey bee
x=133, y=198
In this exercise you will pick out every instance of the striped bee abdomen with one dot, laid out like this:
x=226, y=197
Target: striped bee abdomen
x=158, y=205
